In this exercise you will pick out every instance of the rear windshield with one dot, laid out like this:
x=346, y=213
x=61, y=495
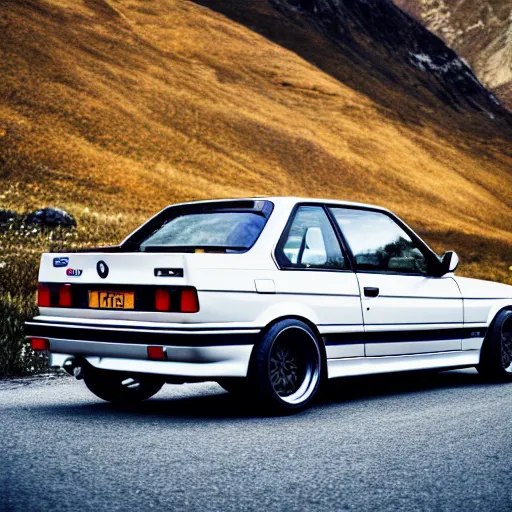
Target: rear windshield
x=211, y=227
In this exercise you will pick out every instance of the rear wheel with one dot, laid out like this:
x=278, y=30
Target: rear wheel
x=121, y=387
x=496, y=359
x=286, y=367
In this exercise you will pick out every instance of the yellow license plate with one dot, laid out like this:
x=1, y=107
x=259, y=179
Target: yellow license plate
x=111, y=300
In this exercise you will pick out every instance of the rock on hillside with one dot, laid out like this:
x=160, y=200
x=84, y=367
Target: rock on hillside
x=51, y=217
x=479, y=30
x=7, y=216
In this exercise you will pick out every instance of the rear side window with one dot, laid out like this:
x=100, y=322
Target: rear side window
x=211, y=227
x=309, y=241
x=378, y=243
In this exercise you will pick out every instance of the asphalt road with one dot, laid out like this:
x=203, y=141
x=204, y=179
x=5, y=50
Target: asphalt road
x=428, y=442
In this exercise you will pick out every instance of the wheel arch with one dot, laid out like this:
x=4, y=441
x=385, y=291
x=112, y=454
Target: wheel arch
x=496, y=309
x=491, y=320
x=299, y=318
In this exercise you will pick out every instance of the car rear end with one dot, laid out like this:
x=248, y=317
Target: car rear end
x=161, y=303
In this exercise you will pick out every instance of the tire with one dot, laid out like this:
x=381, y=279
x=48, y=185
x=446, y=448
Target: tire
x=496, y=358
x=286, y=367
x=121, y=387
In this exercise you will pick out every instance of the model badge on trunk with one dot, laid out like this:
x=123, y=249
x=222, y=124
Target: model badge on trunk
x=60, y=262
x=102, y=269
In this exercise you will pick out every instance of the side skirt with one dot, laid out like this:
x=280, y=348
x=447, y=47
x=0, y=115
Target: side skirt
x=389, y=364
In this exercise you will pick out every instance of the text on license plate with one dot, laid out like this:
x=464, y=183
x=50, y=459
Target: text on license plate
x=111, y=300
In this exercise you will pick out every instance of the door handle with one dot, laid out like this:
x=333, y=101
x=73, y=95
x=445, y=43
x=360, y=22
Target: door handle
x=371, y=292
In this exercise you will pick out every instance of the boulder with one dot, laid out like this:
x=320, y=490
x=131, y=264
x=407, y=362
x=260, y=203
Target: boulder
x=50, y=217
x=7, y=216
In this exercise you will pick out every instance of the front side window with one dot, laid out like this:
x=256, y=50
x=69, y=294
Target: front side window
x=310, y=242
x=378, y=243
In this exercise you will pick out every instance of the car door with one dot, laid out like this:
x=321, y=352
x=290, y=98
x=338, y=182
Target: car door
x=316, y=281
x=406, y=310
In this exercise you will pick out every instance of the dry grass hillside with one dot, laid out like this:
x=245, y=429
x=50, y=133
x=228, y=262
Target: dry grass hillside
x=480, y=30
x=112, y=109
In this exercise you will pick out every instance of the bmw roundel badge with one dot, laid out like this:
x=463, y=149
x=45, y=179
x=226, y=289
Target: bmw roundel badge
x=102, y=269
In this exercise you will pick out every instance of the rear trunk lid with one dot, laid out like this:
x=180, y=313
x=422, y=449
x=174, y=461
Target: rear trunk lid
x=117, y=268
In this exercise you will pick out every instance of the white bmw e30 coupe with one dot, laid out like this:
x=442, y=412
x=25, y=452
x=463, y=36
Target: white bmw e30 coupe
x=268, y=297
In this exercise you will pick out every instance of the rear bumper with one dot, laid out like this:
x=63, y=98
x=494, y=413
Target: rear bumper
x=190, y=352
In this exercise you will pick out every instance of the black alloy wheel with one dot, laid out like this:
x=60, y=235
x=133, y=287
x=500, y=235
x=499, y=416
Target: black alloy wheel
x=121, y=387
x=287, y=367
x=496, y=357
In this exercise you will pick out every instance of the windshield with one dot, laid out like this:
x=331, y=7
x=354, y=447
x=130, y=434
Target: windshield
x=230, y=227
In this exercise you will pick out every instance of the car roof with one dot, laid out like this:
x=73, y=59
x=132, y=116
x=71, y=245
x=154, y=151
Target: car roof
x=295, y=199
x=289, y=201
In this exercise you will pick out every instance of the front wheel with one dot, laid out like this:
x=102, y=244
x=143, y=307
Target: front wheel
x=286, y=367
x=496, y=359
x=121, y=387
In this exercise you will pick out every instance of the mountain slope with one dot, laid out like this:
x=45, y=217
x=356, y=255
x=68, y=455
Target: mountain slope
x=113, y=109
x=481, y=31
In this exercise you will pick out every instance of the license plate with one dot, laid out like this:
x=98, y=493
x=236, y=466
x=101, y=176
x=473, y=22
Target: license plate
x=111, y=300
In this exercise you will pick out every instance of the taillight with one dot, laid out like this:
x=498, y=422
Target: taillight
x=54, y=295
x=43, y=296
x=40, y=343
x=189, y=301
x=181, y=300
x=65, y=296
x=162, y=300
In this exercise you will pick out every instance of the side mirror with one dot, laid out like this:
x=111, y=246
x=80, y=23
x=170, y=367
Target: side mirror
x=449, y=263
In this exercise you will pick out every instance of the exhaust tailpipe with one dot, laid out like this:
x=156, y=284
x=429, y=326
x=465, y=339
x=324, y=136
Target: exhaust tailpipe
x=75, y=367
